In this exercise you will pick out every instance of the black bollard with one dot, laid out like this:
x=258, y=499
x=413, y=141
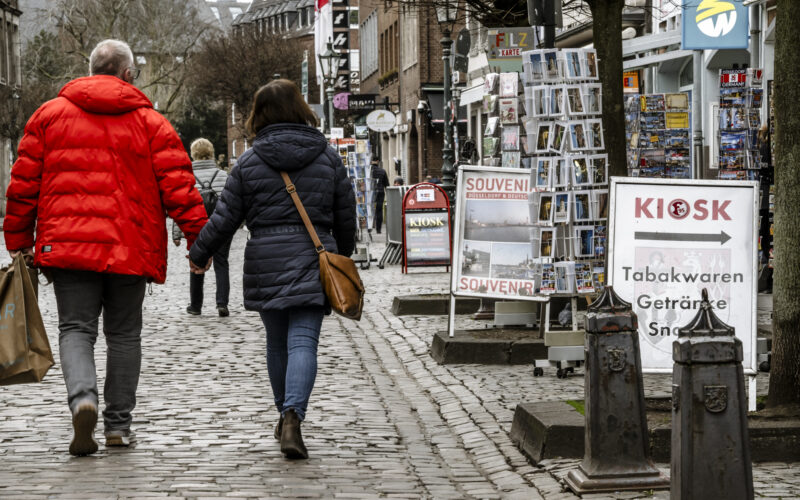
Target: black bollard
x=710, y=446
x=617, y=445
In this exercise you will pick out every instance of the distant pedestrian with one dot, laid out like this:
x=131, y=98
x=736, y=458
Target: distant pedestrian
x=98, y=168
x=281, y=266
x=381, y=183
x=398, y=181
x=208, y=177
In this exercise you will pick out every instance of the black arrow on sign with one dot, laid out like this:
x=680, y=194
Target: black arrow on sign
x=722, y=237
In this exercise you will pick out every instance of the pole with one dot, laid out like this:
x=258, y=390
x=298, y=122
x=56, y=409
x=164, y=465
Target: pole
x=550, y=24
x=329, y=95
x=448, y=174
x=697, y=115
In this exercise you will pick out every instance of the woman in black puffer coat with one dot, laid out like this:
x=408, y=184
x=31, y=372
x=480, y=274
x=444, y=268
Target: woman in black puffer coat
x=281, y=267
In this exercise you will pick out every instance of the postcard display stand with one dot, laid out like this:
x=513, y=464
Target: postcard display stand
x=569, y=180
x=739, y=118
x=659, y=140
x=355, y=154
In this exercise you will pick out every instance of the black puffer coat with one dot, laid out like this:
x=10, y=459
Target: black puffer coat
x=281, y=267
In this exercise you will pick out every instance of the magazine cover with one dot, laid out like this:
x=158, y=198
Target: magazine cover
x=509, y=112
x=509, y=84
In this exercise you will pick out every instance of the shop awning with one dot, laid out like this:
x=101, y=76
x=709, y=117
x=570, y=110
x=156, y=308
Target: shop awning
x=472, y=94
x=436, y=102
x=673, y=59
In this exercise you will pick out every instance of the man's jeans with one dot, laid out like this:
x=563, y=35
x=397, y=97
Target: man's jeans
x=292, y=338
x=223, y=280
x=81, y=296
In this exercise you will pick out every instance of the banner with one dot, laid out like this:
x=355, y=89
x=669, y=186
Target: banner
x=323, y=31
x=714, y=24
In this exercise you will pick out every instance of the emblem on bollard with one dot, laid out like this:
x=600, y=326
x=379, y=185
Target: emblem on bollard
x=616, y=359
x=715, y=397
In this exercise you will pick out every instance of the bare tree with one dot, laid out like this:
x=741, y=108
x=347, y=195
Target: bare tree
x=231, y=68
x=784, y=376
x=162, y=32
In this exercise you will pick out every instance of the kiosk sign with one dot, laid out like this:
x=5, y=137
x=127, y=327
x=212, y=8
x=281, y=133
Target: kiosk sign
x=671, y=239
x=426, y=227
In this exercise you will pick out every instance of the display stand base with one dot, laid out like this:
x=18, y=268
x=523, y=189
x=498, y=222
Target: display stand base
x=647, y=478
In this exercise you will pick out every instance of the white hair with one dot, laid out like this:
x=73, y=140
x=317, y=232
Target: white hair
x=110, y=57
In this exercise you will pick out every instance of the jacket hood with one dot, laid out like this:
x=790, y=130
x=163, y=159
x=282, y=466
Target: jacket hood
x=289, y=146
x=104, y=94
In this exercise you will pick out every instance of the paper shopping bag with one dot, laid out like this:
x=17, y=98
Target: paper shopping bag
x=25, y=354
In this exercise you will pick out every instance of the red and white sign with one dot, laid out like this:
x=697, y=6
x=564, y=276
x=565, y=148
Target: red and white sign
x=670, y=239
x=729, y=78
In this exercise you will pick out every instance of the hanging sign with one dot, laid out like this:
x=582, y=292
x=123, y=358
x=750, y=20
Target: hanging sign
x=714, y=24
x=670, y=239
x=381, y=120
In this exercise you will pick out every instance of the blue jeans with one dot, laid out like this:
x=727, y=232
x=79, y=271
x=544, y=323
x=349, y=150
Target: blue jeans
x=220, y=263
x=292, y=339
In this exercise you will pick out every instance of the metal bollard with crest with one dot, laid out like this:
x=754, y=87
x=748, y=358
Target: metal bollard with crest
x=710, y=445
x=617, y=446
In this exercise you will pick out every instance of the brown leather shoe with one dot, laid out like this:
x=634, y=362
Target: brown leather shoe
x=278, y=428
x=83, y=423
x=291, y=440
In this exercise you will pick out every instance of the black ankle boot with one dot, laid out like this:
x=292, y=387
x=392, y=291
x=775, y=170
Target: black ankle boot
x=291, y=440
x=278, y=429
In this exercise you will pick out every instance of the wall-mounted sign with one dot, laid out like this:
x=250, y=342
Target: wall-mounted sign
x=381, y=120
x=714, y=24
x=340, y=100
x=506, y=46
x=669, y=239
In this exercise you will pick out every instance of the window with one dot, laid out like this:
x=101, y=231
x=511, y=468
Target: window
x=233, y=148
x=4, y=52
x=410, y=36
x=233, y=114
x=369, y=45
x=14, y=70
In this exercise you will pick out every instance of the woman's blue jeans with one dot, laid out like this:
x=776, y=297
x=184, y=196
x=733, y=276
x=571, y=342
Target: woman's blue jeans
x=292, y=339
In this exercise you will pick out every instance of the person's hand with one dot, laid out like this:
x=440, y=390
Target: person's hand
x=177, y=242
x=195, y=269
x=27, y=254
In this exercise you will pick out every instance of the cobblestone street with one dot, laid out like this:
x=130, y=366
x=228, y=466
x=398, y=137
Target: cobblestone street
x=385, y=420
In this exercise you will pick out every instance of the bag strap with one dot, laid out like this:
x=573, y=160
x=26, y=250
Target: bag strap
x=211, y=182
x=303, y=214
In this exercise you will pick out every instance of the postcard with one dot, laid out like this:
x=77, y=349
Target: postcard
x=510, y=159
x=557, y=135
x=490, y=145
x=541, y=98
x=551, y=72
x=562, y=206
x=593, y=99
x=676, y=102
x=582, y=211
x=510, y=136
x=581, y=175
x=583, y=277
x=545, y=208
x=577, y=136
x=583, y=241
x=543, y=137
x=536, y=65
x=599, y=169
x=548, y=283
x=558, y=96
x=573, y=67
x=565, y=276
x=509, y=84
x=547, y=245
x=574, y=100
x=590, y=64
x=543, y=174
x=600, y=204
x=509, y=111
x=561, y=170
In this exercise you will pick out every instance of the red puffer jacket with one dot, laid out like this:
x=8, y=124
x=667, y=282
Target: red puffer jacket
x=97, y=169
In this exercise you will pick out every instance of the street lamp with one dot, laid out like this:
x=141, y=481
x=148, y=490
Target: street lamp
x=329, y=61
x=446, y=13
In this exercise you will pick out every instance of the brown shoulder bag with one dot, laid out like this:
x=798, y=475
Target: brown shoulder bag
x=339, y=276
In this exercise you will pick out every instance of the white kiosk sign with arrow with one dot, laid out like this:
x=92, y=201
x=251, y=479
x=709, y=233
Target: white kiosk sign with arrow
x=671, y=238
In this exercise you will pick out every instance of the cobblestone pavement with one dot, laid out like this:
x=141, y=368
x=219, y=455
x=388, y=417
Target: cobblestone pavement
x=385, y=420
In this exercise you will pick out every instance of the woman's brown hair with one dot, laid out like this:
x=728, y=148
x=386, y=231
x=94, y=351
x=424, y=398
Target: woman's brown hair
x=279, y=101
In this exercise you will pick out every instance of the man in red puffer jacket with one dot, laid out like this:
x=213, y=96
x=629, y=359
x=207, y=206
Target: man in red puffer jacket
x=98, y=167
